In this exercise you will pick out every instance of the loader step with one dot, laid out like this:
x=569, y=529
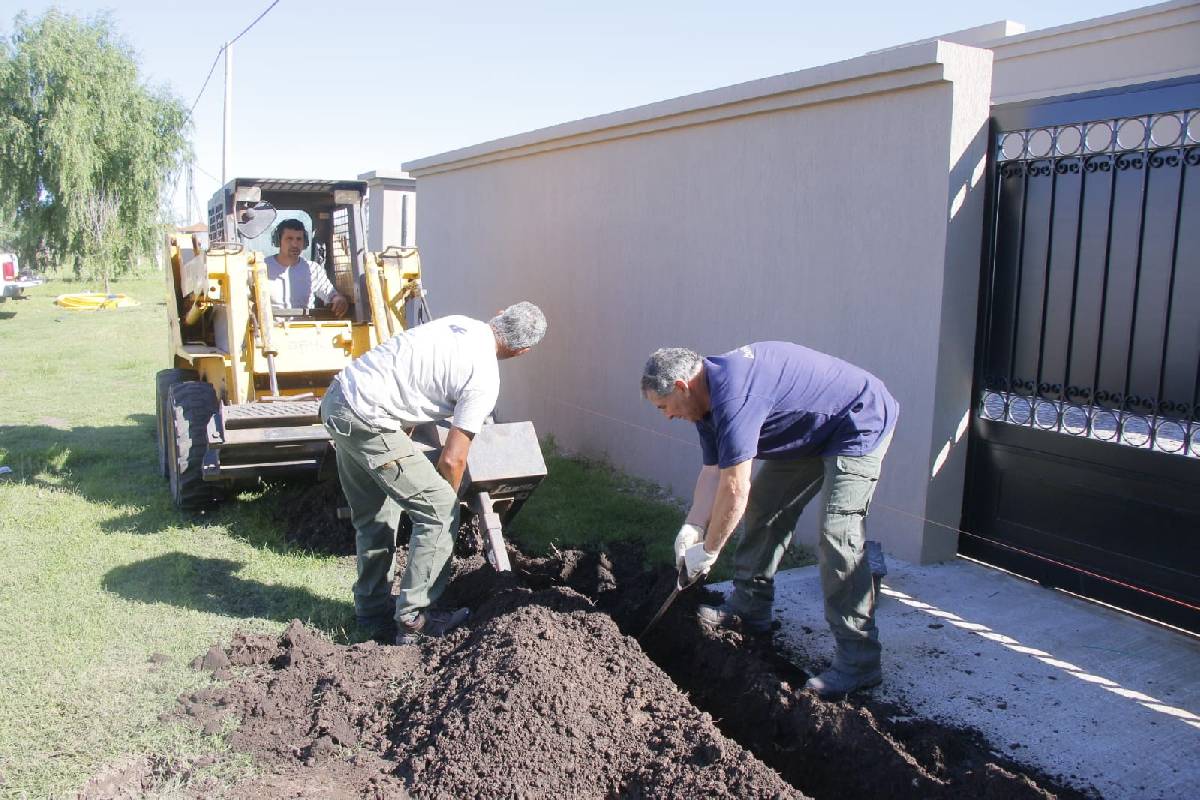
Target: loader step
x=273, y=435
x=273, y=414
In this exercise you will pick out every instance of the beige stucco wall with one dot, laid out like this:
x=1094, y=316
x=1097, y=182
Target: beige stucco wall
x=839, y=207
x=392, y=209
x=1147, y=44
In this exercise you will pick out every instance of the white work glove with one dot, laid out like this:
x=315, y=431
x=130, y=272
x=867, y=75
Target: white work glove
x=688, y=535
x=697, y=562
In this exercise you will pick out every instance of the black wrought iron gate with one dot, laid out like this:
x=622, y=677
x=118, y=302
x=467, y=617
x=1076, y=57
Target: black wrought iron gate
x=1084, y=467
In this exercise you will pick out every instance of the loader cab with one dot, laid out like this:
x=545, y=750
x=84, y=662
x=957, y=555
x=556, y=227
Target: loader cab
x=240, y=396
x=246, y=210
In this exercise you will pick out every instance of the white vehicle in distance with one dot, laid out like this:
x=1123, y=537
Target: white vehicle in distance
x=12, y=284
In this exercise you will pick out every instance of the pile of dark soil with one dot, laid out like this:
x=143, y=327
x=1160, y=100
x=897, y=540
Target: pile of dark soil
x=545, y=693
x=542, y=694
x=858, y=747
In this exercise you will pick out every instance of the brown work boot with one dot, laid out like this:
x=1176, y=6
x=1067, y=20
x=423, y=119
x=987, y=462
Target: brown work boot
x=429, y=622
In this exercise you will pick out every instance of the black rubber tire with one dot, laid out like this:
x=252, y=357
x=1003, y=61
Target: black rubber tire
x=192, y=405
x=163, y=381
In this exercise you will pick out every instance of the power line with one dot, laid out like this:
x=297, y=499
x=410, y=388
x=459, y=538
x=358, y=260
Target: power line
x=255, y=22
x=205, y=172
x=205, y=86
x=221, y=50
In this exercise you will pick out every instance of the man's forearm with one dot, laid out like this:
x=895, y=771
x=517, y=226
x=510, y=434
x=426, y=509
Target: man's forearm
x=732, y=493
x=452, y=463
x=703, y=496
x=452, y=471
x=321, y=285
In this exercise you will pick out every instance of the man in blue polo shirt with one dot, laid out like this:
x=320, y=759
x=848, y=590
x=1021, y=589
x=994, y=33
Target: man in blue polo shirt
x=818, y=424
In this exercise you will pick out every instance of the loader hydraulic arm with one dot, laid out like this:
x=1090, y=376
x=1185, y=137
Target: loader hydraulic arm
x=265, y=320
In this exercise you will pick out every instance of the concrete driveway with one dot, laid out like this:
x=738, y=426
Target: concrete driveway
x=1098, y=697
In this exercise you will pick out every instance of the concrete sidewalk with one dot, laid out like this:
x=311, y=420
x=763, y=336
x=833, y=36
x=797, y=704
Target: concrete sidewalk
x=1100, y=698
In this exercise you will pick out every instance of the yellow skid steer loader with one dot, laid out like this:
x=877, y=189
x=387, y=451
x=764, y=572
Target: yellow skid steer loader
x=239, y=402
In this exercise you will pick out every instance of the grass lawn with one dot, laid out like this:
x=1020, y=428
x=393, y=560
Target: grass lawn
x=100, y=572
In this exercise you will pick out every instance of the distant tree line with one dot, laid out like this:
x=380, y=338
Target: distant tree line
x=88, y=151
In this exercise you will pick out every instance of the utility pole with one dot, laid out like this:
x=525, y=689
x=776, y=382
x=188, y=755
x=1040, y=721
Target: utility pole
x=227, y=139
x=189, y=191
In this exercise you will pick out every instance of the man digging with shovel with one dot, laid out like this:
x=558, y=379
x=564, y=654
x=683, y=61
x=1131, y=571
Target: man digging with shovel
x=818, y=424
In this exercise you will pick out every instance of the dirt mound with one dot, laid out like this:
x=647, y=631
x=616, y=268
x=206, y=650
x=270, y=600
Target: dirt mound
x=544, y=692
x=543, y=696
x=549, y=699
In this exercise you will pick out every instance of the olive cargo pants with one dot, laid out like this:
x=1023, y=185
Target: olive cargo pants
x=382, y=474
x=778, y=494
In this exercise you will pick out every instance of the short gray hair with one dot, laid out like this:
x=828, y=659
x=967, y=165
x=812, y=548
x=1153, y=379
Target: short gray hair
x=519, y=326
x=667, y=365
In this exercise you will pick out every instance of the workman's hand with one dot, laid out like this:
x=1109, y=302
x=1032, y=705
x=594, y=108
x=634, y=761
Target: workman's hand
x=688, y=535
x=340, y=305
x=697, y=562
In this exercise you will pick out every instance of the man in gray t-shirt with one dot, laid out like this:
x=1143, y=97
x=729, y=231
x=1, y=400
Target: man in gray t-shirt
x=294, y=280
x=444, y=369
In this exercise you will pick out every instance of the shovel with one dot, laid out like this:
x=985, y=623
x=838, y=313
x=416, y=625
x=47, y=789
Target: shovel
x=681, y=583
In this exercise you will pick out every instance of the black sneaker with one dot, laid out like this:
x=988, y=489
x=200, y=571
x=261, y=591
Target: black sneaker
x=430, y=622
x=724, y=617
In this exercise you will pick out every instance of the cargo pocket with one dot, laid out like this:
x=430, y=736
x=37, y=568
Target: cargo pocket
x=397, y=464
x=853, y=484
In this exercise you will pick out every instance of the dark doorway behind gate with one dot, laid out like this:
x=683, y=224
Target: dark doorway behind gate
x=1084, y=466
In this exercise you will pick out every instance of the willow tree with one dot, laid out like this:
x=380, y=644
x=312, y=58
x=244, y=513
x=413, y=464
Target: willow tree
x=87, y=149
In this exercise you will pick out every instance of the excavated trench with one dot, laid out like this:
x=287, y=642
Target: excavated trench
x=545, y=692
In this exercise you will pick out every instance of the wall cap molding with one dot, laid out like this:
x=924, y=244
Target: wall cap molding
x=887, y=71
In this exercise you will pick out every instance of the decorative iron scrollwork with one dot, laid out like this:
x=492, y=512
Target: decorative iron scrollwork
x=1168, y=426
x=1137, y=134
x=1126, y=161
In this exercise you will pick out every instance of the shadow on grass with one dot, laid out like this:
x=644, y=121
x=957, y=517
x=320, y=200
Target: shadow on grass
x=7, y=315
x=118, y=465
x=212, y=585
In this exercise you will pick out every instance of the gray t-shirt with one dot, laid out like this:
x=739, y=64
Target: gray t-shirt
x=296, y=286
x=442, y=369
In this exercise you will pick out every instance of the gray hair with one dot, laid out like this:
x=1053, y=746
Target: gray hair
x=519, y=326
x=667, y=365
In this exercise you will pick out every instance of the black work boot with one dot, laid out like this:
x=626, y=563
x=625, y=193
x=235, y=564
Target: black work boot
x=429, y=622
x=834, y=684
x=725, y=617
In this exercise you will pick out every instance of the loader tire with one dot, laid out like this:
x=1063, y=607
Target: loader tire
x=192, y=404
x=163, y=381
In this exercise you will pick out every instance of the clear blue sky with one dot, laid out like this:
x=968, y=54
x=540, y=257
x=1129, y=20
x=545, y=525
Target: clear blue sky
x=335, y=89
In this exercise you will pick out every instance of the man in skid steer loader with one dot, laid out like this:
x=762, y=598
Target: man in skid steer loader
x=819, y=425
x=294, y=280
x=445, y=369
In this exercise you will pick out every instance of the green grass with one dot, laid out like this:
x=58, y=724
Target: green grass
x=99, y=571
x=587, y=503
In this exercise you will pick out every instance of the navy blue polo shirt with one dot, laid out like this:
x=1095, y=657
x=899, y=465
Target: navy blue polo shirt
x=778, y=400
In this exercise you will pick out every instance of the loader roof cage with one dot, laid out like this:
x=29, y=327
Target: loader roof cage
x=332, y=211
